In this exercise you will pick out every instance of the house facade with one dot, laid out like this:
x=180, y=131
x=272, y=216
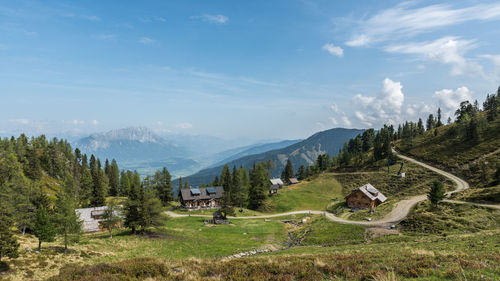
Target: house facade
x=365, y=196
x=201, y=197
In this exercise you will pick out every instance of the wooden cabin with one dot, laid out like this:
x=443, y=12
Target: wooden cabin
x=201, y=197
x=293, y=181
x=365, y=196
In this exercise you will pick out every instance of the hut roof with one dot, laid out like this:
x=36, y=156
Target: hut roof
x=202, y=193
x=276, y=181
x=371, y=192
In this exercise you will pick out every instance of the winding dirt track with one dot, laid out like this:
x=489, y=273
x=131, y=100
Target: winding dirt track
x=399, y=212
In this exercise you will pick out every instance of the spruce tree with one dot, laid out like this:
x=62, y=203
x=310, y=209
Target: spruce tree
x=259, y=186
x=124, y=184
x=163, y=185
x=132, y=208
x=67, y=221
x=436, y=194
x=151, y=211
x=98, y=185
x=439, y=123
x=113, y=175
x=44, y=227
x=8, y=242
x=288, y=171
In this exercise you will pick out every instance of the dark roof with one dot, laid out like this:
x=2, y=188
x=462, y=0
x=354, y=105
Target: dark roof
x=188, y=195
x=275, y=187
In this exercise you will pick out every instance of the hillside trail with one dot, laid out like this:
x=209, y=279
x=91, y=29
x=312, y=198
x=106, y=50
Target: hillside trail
x=399, y=212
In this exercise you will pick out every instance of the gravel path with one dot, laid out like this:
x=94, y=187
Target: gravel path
x=399, y=212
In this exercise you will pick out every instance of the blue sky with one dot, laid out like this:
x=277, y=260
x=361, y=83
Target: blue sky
x=264, y=69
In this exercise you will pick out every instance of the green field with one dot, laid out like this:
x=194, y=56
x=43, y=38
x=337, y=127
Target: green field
x=306, y=195
x=486, y=195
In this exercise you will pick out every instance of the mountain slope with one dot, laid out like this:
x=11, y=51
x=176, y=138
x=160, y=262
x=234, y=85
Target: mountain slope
x=301, y=153
x=236, y=153
x=138, y=148
x=451, y=150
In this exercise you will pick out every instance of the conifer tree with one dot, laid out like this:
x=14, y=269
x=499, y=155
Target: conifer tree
x=132, y=208
x=124, y=184
x=151, y=212
x=113, y=175
x=259, y=186
x=98, y=197
x=163, y=185
x=44, y=228
x=436, y=194
x=111, y=217
x=288, y=171
x=439, y=123
x=8, y=242
x=67, y=221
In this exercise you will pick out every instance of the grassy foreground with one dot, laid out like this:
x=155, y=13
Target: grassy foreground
x=456, y=257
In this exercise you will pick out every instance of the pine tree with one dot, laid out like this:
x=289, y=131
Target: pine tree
x=430, y=122
x=44, y=228
x=301, y=173
x=288, y=171
x=132, y=208
x=259, y=186
x=8, y=242
x=114, y=178
x=439, y=123
x=98, y=197
x=436, y=194
x=67, y=221
x=86, y=187
x=367, y=139
x=151, y=212
x=124, y=184
x=235, y=186
x=163, y=185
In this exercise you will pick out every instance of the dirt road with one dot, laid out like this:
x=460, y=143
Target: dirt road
x=398, y=213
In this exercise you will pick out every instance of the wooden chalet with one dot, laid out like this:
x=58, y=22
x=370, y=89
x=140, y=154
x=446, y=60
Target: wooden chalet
x=365, y=196
x=201, y=197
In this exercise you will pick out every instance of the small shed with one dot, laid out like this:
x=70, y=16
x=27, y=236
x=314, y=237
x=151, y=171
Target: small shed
x=365, y=196
x=277, y=182
x=293, y=180
x=273, y=190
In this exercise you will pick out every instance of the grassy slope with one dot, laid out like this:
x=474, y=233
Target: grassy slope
x=481, y=195
x=450, y=218
x=307, y=195
x=453, y=153
x=455, y=257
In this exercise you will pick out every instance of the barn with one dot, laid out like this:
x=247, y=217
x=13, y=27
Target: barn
x=365, y=196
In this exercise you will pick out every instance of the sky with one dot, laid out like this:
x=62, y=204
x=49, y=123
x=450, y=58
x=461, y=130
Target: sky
x=263, y=69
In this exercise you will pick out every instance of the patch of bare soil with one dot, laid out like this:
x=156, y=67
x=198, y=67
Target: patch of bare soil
x=374, y=232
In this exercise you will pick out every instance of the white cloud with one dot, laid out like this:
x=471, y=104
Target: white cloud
x=20, y=121
x=383, y=108
x=333, y=50
x=449, y=100
x=74, y=122
x=217, y=19
x=335, y=108
x=184, y=125
x=95, y=122
x=85, y=17
x=446, y=50
x=334, y=121
x=346, y=121
x=406, y=21
x=146, y=41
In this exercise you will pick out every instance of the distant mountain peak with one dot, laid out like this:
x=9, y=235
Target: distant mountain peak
x=103, y=140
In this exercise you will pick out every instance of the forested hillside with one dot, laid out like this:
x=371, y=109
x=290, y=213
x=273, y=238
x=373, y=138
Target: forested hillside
x=468, y=147
x=303, y=153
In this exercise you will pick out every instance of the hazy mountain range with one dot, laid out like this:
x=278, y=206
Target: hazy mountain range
x=300, y=153
x=139, y=148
